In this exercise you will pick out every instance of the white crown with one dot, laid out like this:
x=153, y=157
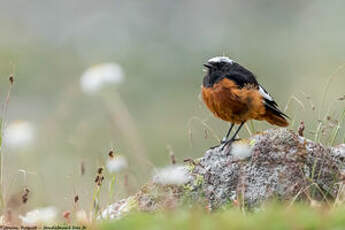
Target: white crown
x=220, y=59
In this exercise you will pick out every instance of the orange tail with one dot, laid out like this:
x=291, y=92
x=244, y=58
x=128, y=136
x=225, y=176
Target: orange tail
x=275, y=119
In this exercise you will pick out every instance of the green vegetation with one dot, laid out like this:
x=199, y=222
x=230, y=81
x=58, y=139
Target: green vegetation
x=271, y=217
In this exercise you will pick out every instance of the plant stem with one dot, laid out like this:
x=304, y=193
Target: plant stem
x=111, y=187
x=330, y=79
x=95, y=201
x=336, y=132
x=2, y=128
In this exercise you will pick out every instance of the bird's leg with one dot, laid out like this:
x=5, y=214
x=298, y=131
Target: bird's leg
x=233, y=138
x=225, y=138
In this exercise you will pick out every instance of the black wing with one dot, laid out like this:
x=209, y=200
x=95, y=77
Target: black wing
x=240, y=75
x=270, y=104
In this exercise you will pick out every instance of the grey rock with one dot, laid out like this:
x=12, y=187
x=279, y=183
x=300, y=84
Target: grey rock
x=282, y=166
x=275, y=164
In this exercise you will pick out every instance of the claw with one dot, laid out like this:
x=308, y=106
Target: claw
x=229, y=142
x=213, y=147
x=222, y=148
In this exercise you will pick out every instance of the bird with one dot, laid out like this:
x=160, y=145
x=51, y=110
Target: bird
x=232, y=93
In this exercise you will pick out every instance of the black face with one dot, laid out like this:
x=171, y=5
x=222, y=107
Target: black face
x=230, y=70
x=216, y=71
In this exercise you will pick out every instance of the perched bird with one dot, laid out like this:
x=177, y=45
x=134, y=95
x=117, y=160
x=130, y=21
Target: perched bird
x=233, y=94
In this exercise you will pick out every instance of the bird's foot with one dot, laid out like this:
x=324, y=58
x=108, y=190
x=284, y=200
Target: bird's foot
x=222, y=142
x=225, y=143
x=216, y=146
x=229, y=142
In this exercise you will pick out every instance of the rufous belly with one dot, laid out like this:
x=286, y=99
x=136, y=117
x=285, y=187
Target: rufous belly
x=230, y=103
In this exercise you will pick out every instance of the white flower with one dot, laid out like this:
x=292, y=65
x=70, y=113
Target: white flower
x=119, y=209
x=175, y=174
x=2, y=220
x=97, y=77
x=39, y=216
x=241, y=150
x=116, y=164
x=19, y=134
x=81, y=217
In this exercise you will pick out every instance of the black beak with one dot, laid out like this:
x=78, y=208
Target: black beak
x=207, y=65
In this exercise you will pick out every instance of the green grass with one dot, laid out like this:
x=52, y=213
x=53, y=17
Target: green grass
x=273, y=217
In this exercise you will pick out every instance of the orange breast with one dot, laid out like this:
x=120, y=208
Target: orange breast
x=230, y=103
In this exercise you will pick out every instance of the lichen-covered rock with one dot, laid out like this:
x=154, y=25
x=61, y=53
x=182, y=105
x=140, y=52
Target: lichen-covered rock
x=282, y=165
x=275, y=164
x=151, y=197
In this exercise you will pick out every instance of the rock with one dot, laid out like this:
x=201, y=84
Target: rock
x=275, y=164
x=282, y=166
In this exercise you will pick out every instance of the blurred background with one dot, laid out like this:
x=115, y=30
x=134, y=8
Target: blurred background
x=154, y=107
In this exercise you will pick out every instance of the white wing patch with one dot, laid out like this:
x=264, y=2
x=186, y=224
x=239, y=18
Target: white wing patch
x=220, y=59
x=264, y=93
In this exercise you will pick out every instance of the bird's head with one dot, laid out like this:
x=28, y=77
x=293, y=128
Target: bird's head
x=220, y=63
x=217, y=67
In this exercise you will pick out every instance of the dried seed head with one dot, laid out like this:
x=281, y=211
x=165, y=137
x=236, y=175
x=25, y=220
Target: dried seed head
x=342, y=98
x=173, y=158
x=100, y=180
x=172, y=155
x=301, y=129
x=76, y=199
x=25, y=195
x=111, y=154
x=11, y=78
